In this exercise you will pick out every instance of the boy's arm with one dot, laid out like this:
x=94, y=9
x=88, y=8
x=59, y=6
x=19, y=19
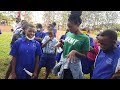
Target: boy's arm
x=117, y=74
x=37, y=59
x=35, y=73
x=43, y=45
x=14, y=38
x=13, y=67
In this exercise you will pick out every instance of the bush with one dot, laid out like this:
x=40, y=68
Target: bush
x=118, y=34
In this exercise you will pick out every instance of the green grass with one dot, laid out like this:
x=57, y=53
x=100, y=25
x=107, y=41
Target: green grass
x=5, y=39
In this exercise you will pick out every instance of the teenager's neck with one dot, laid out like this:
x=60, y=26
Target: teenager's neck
x=78, y=32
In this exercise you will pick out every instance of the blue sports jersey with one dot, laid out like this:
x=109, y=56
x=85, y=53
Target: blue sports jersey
x=25, y=53
x=106, y=64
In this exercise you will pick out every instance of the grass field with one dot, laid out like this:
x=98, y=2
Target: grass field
x=5, y=58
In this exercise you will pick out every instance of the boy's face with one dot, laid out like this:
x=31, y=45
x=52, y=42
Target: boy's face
x=30, y=32
x=51, y=34
x=105, y=43
x=17, y=20
x=50, y=28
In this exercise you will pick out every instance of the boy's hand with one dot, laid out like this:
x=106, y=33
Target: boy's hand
x=117, y=74
x=71, y=56
x=35, y=75
x=58, y=44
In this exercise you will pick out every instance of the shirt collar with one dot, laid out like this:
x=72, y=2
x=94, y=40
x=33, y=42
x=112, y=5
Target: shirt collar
x=24, y=39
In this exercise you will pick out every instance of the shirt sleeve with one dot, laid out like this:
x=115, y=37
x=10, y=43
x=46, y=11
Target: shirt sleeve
x=13, y=39
x=86, y=45
x=56, y=41
x=44, y=40
x=14, y=49
x=118, y=66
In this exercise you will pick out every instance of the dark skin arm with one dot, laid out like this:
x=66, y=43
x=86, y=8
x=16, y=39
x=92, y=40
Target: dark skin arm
x=117, y=74
x=59, y=45
x=74, y=54
x=13, y=68
x=43, y=45
x=55, y=51
x=92, y=50
x=35, y=74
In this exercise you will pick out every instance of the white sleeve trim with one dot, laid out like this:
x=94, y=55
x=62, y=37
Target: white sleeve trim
x=118, y=66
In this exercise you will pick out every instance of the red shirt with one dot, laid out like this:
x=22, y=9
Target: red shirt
x=91, y=55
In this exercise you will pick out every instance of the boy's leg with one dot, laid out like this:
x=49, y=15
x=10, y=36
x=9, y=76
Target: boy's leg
x=50, y=65
x=8, y=71
x=42, y=62
x=48, y=71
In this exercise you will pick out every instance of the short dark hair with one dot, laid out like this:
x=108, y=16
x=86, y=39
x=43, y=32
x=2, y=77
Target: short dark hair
x=54, y=23
x=27, y=25
x=75, y=17
x=39, y=25
x=110, y=33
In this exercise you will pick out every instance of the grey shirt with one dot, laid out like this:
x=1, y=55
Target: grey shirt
x=49, y=48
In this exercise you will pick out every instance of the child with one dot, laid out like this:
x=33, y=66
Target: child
x=25, y=54
x=17, y=26
x=54, y=28
x=14, y=38
x=108, y=59
x=49, y=51
x=61, y=39
x=88, y=62
x=39, y=35
x=76, y=45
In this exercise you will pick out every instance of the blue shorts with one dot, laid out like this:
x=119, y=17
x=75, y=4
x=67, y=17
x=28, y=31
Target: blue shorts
x=47, y=60
x=87, y=65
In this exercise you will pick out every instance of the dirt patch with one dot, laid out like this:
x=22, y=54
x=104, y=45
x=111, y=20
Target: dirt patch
x=5, y=28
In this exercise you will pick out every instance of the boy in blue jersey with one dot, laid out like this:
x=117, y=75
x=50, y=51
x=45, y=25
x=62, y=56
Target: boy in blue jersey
x=50, y=28
x=25, y=53
x=107, y=63
x=39, y=35
x=14, y=38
